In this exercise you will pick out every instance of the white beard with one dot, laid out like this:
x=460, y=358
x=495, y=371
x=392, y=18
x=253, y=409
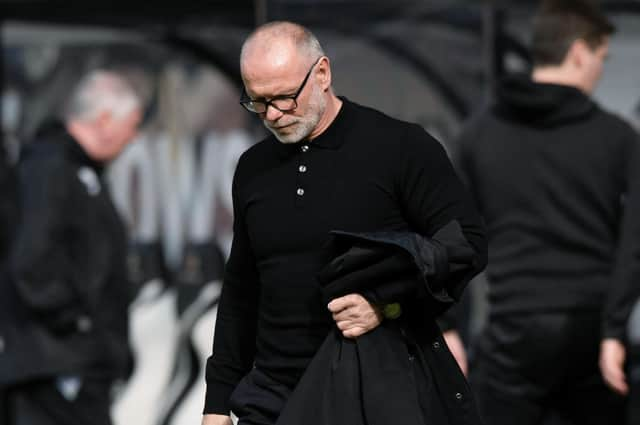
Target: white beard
x=303, y=126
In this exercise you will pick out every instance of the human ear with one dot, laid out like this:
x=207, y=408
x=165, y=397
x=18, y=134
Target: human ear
x=578, y=53
x=324, y=73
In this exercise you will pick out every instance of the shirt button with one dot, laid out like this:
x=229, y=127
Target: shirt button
x=458, y=396
x=304, y=148
x=300, y=191
x=436, y=345
x=84, y=324
x=302, y=168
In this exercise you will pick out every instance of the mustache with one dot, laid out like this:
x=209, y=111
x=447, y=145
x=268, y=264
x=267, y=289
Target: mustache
x=277, y=126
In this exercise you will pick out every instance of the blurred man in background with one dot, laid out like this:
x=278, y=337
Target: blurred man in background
x=64, y=308
x=549, y=170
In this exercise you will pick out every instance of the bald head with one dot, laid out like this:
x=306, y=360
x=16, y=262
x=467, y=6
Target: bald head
x=287, y=74
x=279, y=44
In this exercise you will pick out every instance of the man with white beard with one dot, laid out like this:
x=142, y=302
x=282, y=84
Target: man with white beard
x=330, y=164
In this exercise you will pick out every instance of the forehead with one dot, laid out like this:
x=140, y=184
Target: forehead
x=285, y=81
x=271, y=69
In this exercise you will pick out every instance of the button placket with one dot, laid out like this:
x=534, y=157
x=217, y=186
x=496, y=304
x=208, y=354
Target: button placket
x=301, y=171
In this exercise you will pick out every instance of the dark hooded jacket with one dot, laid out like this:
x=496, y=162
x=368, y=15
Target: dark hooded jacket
x=402, y=371
x=552, y=173
x=8, y=205
x=63, y=309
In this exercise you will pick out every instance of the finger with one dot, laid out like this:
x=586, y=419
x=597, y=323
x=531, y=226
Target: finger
x=340, y=304
x=343, y=325
x=618, y=386
x=354, y=332
x=349, y=313
x=341, y=316
x=366, y=323
x=615, y=377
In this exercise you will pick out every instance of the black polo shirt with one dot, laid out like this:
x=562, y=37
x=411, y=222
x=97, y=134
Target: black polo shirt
x=366, y=172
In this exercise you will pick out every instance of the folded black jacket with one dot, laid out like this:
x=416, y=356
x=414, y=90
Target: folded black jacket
x=402, y=371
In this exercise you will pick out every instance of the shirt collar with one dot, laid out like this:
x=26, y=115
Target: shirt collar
x=332, y=138
x=54, y=131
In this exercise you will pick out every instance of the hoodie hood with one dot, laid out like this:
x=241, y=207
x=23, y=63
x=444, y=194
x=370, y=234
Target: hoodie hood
x=537, y=104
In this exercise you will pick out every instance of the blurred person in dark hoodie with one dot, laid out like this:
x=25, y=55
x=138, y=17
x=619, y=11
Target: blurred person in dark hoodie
x=7, y=223
x=64, y=307
x=556, y=179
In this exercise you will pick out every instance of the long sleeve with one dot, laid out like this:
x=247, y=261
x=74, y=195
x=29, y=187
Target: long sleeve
x=235, y=330
x=625, y=291
x=8, y=199
x=455, y=317
x=434, y=196
x=41, y=267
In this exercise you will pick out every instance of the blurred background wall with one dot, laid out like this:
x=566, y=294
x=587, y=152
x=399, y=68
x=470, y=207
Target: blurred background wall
x=434, y=63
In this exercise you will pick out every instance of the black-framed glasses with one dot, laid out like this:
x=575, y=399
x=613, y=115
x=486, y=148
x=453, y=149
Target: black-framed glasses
x=281, y=103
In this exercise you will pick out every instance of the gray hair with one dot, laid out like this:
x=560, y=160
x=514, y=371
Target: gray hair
x=305, y=41
x=101, y=91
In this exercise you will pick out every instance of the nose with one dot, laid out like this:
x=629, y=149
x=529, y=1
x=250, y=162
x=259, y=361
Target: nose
x=272, y=113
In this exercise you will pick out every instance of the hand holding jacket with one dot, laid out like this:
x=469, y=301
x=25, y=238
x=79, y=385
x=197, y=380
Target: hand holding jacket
x=354, y=315
x=348, y=380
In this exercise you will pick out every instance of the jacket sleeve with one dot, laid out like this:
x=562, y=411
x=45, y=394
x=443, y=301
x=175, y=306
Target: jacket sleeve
x=625, y=291
x=8, y=207
x=235, y=329
x=433, y=196
x=453, y=318
x=42, y=271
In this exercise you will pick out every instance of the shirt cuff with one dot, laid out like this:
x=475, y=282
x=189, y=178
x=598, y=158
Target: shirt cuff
x=216, y=400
